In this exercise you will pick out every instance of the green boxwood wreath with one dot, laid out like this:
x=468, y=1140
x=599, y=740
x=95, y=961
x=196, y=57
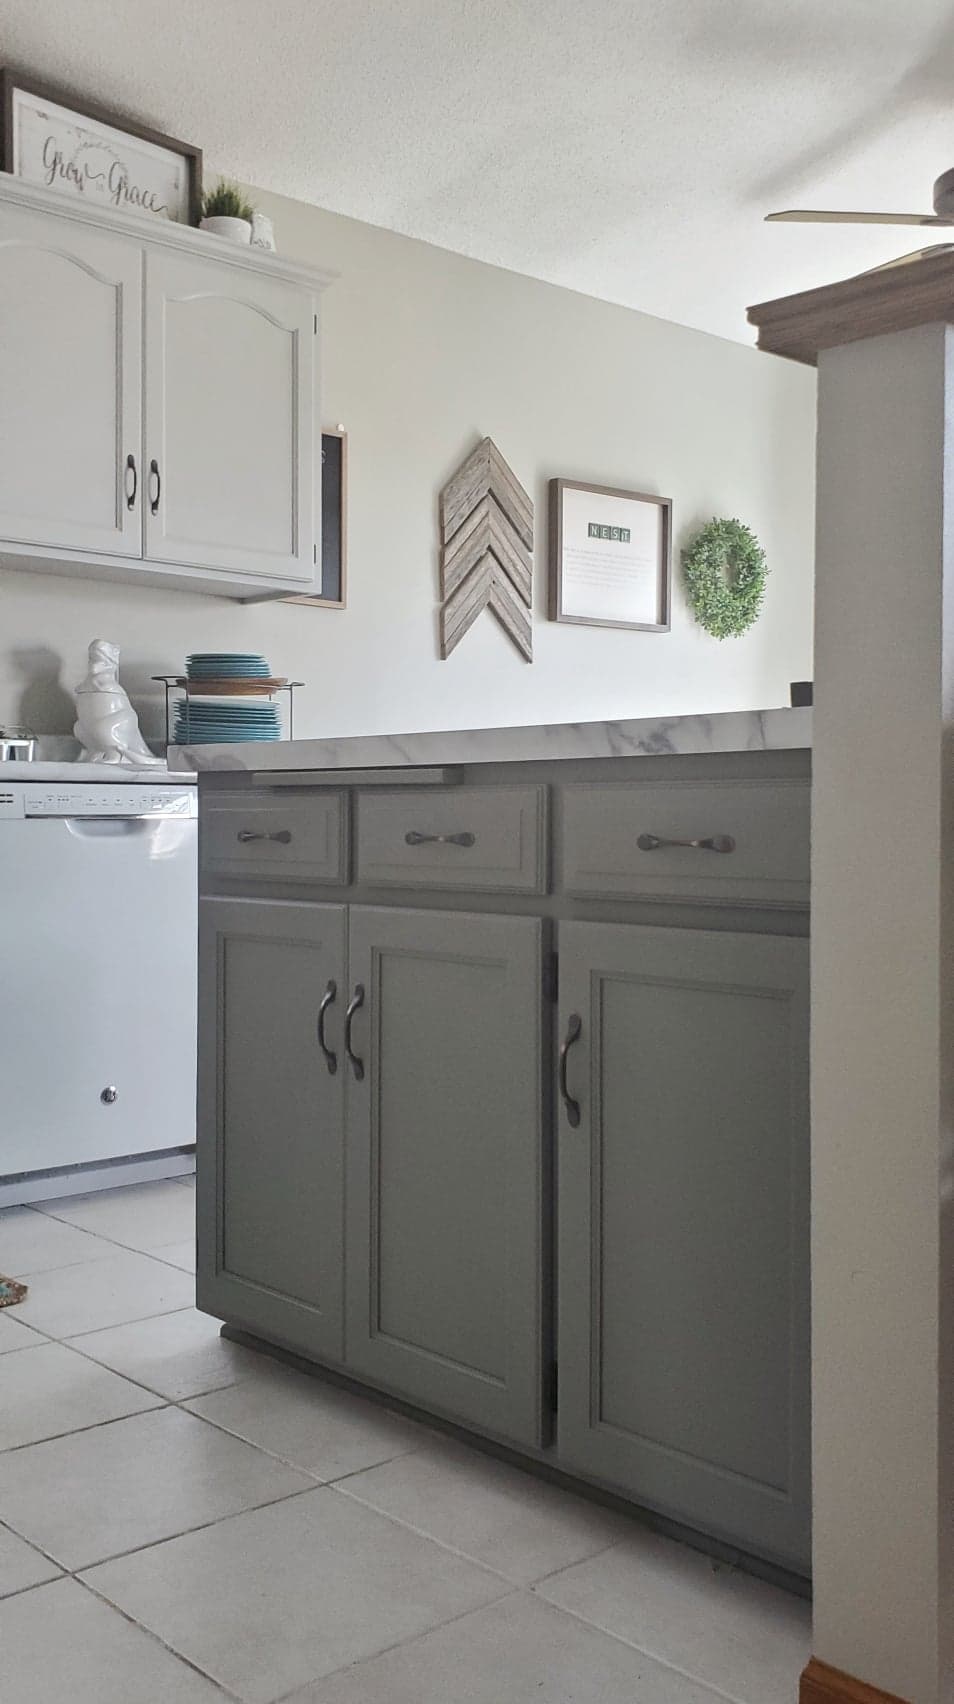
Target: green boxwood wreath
x=724, y=570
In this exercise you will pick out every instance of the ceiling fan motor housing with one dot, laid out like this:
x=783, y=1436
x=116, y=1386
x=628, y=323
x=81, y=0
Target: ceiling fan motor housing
x=943, y=196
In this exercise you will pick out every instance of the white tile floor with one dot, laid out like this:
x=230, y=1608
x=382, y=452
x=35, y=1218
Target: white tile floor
x=182, y=1520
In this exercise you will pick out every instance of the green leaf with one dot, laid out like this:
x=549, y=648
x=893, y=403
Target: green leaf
x=226, y=201
x=724, y=570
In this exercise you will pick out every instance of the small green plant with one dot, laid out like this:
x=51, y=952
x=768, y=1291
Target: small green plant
x=226, y=201
x=724, y=570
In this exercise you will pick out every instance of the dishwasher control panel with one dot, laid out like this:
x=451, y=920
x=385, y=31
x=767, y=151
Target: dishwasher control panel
x=97, y=799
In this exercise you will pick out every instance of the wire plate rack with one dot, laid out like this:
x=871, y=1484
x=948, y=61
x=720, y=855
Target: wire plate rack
x=179, y=688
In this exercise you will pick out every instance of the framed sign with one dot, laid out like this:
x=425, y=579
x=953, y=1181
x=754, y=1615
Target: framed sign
x=86, y=153
x=610, y=556
x=334, y=517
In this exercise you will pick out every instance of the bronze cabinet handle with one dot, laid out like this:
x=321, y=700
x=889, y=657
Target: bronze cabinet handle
x=574, y=1030
x=131, y=493
x=327, y=999
x=354, y=1005
x=154, y=474
x=282, y=835
x=414, y=837
x=710, y=843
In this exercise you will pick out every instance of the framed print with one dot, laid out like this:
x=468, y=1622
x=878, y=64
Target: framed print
x=610, y=556
x=86, y=153
x=334, y=523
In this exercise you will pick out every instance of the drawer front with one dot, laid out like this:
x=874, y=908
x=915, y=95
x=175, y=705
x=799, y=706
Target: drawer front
x=276, y=836
x=476, y=838
x=615, y=841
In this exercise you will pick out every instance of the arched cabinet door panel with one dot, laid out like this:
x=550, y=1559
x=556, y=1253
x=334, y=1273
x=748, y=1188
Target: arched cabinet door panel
x=230, y=437
x=70, y=385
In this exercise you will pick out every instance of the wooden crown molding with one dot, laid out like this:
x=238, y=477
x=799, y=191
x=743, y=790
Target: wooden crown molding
x=917, y=292
x=824, y=1685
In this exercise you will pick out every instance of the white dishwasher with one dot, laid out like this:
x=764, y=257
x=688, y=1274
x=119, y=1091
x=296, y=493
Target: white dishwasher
x=98, y=913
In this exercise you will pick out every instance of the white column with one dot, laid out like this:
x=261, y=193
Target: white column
x=883, y=1015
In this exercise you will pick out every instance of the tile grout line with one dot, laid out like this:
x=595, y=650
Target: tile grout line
x=273, y=1454
x=153, y=1254
x=83, y=1568
x=319, y=1483
x=140, y=1319
x=565, y=1567
x=515, y=1589
x=6, y=1527
x=187, y=1532
x=79, y=1431
x=172, y=1401
x=663, y=1662
x=465, y=1556
x=97, y=1236
x=171, y=1651
x=40, y=1336
x=396, y=1645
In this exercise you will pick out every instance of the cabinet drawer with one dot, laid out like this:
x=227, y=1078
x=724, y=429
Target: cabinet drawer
x=291, y=836
x=764, y=825
x=476, y=838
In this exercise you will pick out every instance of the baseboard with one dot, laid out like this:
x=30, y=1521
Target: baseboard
x=28, y=1187
x=824, y=1685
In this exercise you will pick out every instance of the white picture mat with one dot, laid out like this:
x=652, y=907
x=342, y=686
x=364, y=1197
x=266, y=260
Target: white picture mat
x=93, y=163
x=606, y=579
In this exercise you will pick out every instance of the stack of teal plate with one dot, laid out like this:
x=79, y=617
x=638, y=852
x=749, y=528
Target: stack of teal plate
x=226, y=665
x=201, y=722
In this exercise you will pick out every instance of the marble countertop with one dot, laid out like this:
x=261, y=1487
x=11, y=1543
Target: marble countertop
x=729, y=731
x=46, y=770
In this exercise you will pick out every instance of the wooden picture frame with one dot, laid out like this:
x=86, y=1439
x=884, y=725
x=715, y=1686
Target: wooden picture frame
x=595, y=593
x=334, y=525
x=82, y=159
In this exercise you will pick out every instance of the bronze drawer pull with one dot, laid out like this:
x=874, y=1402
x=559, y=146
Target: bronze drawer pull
x=574, y=1030
x=414, y=837
x=711, y=843
x=354, y=1005
x=282, y=835
x=327, y=999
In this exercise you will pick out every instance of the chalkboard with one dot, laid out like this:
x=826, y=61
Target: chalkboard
x=334, y=497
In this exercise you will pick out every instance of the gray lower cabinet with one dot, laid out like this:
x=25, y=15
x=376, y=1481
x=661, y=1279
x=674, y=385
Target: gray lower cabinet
x=683, y=1226
x=271, y=1120
x=400, y=1176
x=445, y=1164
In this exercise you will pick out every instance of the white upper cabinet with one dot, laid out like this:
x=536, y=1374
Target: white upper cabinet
x=230, y=437
x=159, y=408
x=70, y=385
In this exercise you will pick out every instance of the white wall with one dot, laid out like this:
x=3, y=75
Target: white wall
x=424, y=352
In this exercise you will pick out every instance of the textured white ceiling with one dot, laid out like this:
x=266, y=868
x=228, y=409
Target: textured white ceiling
x=627, y=148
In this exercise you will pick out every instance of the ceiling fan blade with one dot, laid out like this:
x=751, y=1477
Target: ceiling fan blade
x=808, y=216
x=907, y=259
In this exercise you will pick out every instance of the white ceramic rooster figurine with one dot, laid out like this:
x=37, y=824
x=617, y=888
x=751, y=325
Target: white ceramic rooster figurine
x=107, y=726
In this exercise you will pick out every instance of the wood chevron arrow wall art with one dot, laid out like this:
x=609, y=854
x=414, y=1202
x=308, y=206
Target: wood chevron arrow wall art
x=487, y=550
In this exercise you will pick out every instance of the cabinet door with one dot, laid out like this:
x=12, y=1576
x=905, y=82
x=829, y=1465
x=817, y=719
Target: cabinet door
x=230, y=382
x=70, y=385
x=271, y=1119
x=444, y=1164
x=683, y=1226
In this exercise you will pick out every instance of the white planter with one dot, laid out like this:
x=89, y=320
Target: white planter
x=233, y=230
